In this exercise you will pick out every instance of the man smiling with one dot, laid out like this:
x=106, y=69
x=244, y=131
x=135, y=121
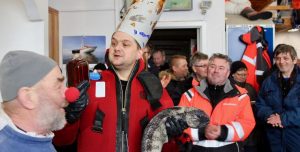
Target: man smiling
x=278, y=102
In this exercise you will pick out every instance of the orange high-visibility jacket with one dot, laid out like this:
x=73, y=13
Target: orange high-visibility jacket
x=234, y=111
x=255, y=56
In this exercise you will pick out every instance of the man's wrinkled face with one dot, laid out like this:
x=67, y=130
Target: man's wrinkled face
x=218, y=71
x=50, y=93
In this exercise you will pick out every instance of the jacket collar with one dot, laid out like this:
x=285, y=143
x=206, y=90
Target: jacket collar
x=229, y=89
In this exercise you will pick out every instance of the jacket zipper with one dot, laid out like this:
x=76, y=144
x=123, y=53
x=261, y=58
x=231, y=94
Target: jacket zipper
x=123, y=118
x=124, y=133
x=124, y=136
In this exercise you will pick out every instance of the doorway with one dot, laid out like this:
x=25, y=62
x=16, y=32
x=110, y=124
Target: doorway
x=192, y=29
x=175, y=41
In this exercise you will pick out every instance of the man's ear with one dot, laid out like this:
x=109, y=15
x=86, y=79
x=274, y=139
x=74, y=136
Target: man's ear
x=193, y=68
x=174, y=68
x=228, y=73
x=25, y=96
x=295, y=61
x=139, y=54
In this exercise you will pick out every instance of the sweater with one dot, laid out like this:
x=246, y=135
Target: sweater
x=13, y=141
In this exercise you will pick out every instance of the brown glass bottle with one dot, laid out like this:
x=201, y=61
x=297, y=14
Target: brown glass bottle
x=77, y=69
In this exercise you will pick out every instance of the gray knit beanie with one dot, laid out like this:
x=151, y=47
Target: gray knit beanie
x=22, y=69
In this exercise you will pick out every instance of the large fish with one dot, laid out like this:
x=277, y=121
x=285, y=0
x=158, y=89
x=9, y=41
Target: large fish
x=155, y=134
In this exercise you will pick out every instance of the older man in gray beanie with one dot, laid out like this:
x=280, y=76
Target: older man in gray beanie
x=32, y=88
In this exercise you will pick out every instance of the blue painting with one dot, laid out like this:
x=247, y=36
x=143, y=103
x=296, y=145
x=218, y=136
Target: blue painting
x=91, y=48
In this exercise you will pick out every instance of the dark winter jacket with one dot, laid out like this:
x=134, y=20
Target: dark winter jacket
x=176, y=88
x=271, y=100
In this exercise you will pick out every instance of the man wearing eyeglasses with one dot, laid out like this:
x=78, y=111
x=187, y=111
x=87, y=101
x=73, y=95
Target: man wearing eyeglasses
x=238, y=75
x=227, y=105
x=199, y=62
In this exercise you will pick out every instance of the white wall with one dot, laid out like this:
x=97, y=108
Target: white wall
x=17, y=32
x=42, y=6
x=292, y=38
x=100, y=17
x=216, y=28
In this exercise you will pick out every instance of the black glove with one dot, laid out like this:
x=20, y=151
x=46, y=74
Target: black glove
x=74, y=110
x=185, y=147
x=175, y=127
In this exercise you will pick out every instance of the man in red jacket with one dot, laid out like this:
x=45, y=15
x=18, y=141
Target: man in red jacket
x=126, y=97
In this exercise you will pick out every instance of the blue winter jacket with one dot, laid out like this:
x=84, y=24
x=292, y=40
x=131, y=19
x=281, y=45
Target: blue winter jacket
x=270, y=101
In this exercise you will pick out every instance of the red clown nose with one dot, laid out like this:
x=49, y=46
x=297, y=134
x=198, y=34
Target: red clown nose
x=72, y=94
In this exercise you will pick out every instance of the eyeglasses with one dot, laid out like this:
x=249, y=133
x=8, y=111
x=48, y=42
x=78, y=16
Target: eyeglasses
x=201, y=66
x=242, y=74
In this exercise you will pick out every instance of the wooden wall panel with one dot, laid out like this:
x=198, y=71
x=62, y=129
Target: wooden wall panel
x=53, y=21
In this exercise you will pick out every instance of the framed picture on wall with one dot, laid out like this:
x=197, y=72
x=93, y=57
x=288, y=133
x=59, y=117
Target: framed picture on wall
x=178, y=5
x=91, y=48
